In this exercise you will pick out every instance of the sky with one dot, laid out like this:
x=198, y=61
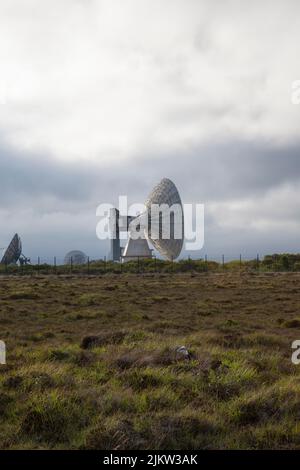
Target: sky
x=101, y=98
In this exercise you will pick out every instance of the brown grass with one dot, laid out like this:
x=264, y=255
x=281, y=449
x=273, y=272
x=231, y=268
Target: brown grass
x=91, y=361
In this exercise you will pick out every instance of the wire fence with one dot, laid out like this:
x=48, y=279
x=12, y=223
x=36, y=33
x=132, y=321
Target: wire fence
x=55, y=266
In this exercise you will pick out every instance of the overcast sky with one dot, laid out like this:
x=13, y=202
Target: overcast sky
x=106, y=97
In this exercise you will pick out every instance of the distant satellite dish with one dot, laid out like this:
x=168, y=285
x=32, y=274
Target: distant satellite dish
x=164, y=194
x=13, y=252
x=75, y=257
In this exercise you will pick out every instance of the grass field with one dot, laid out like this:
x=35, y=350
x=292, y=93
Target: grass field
x=128, y=389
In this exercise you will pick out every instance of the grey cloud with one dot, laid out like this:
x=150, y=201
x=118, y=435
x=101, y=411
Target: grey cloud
x=28, y=178
x=226, y=171
x=207, y=173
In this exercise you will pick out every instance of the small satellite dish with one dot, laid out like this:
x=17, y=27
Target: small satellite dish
x=166, y=194
x=75, y=257
x=13, y=252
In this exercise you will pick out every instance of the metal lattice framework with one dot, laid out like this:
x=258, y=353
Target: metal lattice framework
x=166, y=193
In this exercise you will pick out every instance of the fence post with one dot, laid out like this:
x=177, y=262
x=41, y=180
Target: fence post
x=257, y=262
x=206, y=265
x=88, y=263
x=240, y=261
x=55, y=264
x=71, y=263
x=223, y=261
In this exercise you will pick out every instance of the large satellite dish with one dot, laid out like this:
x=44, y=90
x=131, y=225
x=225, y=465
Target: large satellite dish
x=151, y=224
x=166, y=192
x=13, y=252
x=75, y=257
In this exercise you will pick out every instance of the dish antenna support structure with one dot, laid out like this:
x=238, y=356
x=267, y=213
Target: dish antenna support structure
x=150, y=225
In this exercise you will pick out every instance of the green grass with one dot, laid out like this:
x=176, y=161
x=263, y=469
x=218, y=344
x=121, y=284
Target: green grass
x=91, y=362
